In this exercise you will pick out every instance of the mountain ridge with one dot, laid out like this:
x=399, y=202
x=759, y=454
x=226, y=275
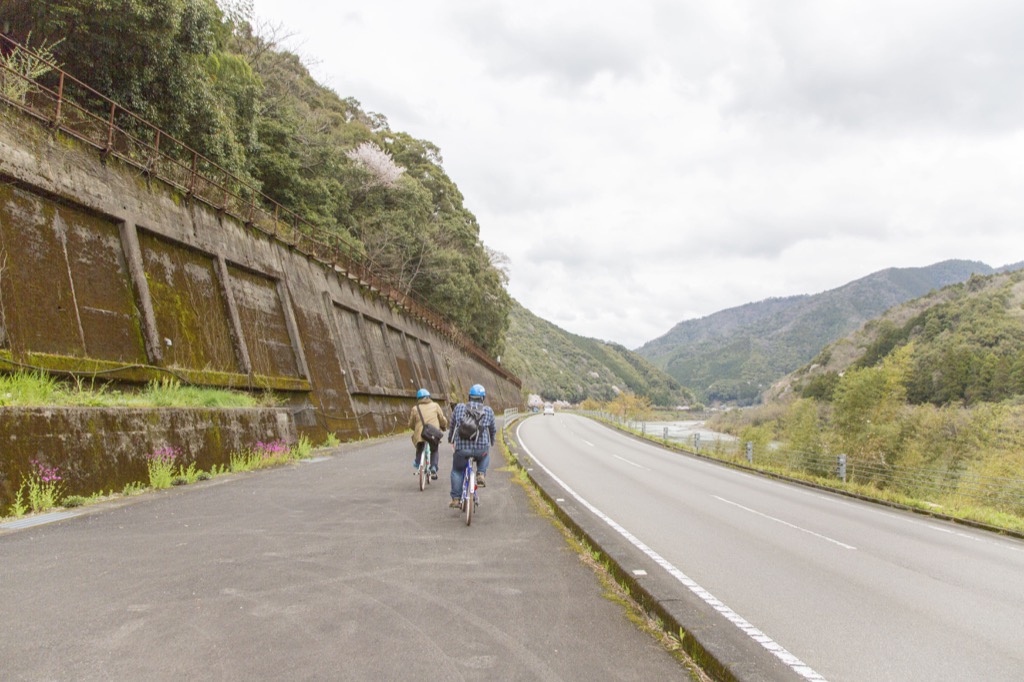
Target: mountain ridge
x=735, y=354
x=963, y=342
x=559, y=365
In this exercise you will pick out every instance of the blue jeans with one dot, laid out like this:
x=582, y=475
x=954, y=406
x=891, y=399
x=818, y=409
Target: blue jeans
x=459, y=461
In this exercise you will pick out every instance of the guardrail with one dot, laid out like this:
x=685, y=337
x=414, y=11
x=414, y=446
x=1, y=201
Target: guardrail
x=510, y=415
x=65, y=103
x=925, y=484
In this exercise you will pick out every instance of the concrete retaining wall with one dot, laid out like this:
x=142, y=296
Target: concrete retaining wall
x=107, y=272
x=99, y=449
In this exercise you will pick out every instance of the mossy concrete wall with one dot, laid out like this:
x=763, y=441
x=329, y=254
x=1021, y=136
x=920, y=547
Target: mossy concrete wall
x=108, y=272
x=102, y=449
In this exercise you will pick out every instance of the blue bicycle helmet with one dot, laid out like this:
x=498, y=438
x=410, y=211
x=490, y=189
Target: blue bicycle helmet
x=422, y=393
x=477, y=391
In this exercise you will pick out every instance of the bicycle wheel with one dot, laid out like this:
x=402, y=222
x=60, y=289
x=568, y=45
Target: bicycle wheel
x=428, y=459
x=470, y=493
x=465, y=492
x=424, y=473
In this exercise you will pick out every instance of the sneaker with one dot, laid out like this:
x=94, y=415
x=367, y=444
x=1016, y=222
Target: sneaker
x=433, y=474
x=454, y=504
x=480, y=481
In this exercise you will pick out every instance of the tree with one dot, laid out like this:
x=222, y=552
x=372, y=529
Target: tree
x=630, y=406
x=867, y=406
x=149, y=56
x=209, y=78
x=21, y=66
x=380, y=167
x=802, y=427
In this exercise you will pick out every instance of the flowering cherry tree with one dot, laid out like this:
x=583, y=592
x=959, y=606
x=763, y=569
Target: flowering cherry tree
x=383, y=170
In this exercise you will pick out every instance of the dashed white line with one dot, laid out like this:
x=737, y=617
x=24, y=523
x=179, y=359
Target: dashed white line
x=785, y=523
x=999, y=542
x=982, y=537
x=629, y=462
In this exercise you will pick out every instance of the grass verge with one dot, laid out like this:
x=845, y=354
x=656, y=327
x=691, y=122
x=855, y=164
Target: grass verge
x=613, y=590
x=37, y=389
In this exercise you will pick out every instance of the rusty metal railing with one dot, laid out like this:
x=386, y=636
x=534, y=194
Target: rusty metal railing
x=67, y=104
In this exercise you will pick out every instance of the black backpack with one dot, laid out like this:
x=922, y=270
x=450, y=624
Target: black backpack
x=469, y=425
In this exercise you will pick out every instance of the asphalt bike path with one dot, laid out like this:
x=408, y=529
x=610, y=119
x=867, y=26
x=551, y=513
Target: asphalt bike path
x=337, y=568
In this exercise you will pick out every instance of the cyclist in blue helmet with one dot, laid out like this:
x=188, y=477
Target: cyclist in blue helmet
x=427, y=421
x=475, y=445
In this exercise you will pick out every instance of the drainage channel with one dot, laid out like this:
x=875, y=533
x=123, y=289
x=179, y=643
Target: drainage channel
x=37, y=520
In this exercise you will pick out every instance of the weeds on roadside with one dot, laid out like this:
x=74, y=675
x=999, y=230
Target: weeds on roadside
x=160, y=465
x=261, y=455
x=133, y=488
x=39, y=490
x=80, y=500
x=273, y=452
x=188, y=475
x=331, y=441
x=44, y=486
x=18, y=507
x=242, y=461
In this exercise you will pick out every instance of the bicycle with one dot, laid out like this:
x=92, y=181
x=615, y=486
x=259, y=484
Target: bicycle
x=470, y=498
x=423, y=471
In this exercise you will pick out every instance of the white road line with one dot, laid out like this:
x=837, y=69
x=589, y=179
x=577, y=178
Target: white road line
x=982, y=536
x=588, y=443
x=999, y=542
x=794, y=663
x=629, y=462
x=786, y=523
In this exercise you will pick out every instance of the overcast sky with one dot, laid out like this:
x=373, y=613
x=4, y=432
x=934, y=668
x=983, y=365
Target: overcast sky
x=644, y=162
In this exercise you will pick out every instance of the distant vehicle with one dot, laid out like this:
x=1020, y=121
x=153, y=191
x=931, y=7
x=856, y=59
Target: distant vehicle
x=549, y=409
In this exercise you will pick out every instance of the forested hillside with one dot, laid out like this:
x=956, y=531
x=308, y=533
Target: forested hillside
x=962, y=345
x=935, y=385
x=735, y=354
x=202, y=74
x=558, y=365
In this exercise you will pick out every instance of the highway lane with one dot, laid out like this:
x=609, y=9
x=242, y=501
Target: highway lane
x=854, y=590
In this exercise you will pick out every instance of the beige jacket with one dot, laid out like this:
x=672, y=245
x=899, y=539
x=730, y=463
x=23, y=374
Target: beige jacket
x=432, y=414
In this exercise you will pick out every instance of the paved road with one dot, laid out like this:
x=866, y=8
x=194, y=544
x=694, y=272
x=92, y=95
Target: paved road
x=855, y=591
x=338, y=569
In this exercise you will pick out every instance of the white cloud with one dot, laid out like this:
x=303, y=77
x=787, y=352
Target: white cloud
x=649, y=161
